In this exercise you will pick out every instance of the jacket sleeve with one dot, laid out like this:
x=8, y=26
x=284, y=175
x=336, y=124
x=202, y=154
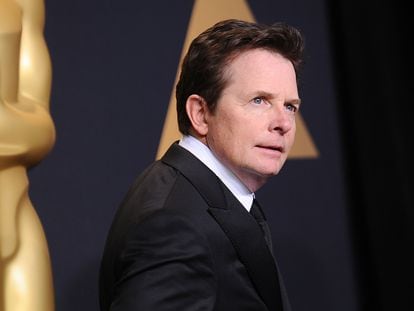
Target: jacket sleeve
x=165, y=265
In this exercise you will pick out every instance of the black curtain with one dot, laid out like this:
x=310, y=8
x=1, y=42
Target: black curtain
x=373, y=61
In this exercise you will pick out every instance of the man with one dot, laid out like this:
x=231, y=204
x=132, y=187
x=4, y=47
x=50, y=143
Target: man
x=183, y=239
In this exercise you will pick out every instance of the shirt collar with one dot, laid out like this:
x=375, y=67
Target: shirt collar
x=205, y=155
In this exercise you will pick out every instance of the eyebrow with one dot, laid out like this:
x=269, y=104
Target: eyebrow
x=295, y=101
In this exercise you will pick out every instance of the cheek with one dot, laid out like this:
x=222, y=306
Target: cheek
x=231, y=134
x=224, y=131
x=228, y=142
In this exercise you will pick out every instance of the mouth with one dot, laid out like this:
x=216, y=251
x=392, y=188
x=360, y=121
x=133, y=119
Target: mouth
x=271, y=148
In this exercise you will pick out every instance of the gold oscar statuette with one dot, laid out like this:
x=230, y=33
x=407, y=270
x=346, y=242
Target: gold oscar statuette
x=27, y=134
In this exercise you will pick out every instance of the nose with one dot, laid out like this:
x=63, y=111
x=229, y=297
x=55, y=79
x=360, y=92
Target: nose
x=282, y=120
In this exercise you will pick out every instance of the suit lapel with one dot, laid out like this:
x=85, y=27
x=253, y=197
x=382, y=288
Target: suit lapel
x=239, y=226
x=247, y=239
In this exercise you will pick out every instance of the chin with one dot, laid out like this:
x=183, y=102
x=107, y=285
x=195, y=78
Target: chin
x=271, y=171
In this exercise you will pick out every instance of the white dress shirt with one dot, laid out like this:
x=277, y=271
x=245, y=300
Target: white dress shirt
x=205, y=155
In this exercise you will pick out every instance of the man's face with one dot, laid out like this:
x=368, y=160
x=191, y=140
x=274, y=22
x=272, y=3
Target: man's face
x=253, y=127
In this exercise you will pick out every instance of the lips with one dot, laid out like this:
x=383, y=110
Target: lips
x=271, y=148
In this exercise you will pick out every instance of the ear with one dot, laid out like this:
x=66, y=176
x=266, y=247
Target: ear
x=197, y=110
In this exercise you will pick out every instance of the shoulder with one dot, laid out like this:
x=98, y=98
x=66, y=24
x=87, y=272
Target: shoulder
x=159, y=191
x=160, y=186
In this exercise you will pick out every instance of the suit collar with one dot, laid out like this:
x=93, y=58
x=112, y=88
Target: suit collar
x=199, y=175
x=226, y=176
x=239, y=226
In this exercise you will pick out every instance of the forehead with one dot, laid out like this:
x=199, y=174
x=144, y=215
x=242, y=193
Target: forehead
x=260, y=68
x=259, y=61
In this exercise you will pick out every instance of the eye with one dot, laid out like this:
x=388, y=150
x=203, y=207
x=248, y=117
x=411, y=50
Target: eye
x=258, y=100
x=291, y=107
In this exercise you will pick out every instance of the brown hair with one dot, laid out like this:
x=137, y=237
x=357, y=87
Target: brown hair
x=202, y=70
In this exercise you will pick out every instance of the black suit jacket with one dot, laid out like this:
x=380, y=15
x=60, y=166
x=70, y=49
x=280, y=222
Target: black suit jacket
x=181, y=241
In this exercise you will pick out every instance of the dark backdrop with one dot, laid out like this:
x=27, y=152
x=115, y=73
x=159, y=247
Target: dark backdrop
x=114, y=64
x=373, y=45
